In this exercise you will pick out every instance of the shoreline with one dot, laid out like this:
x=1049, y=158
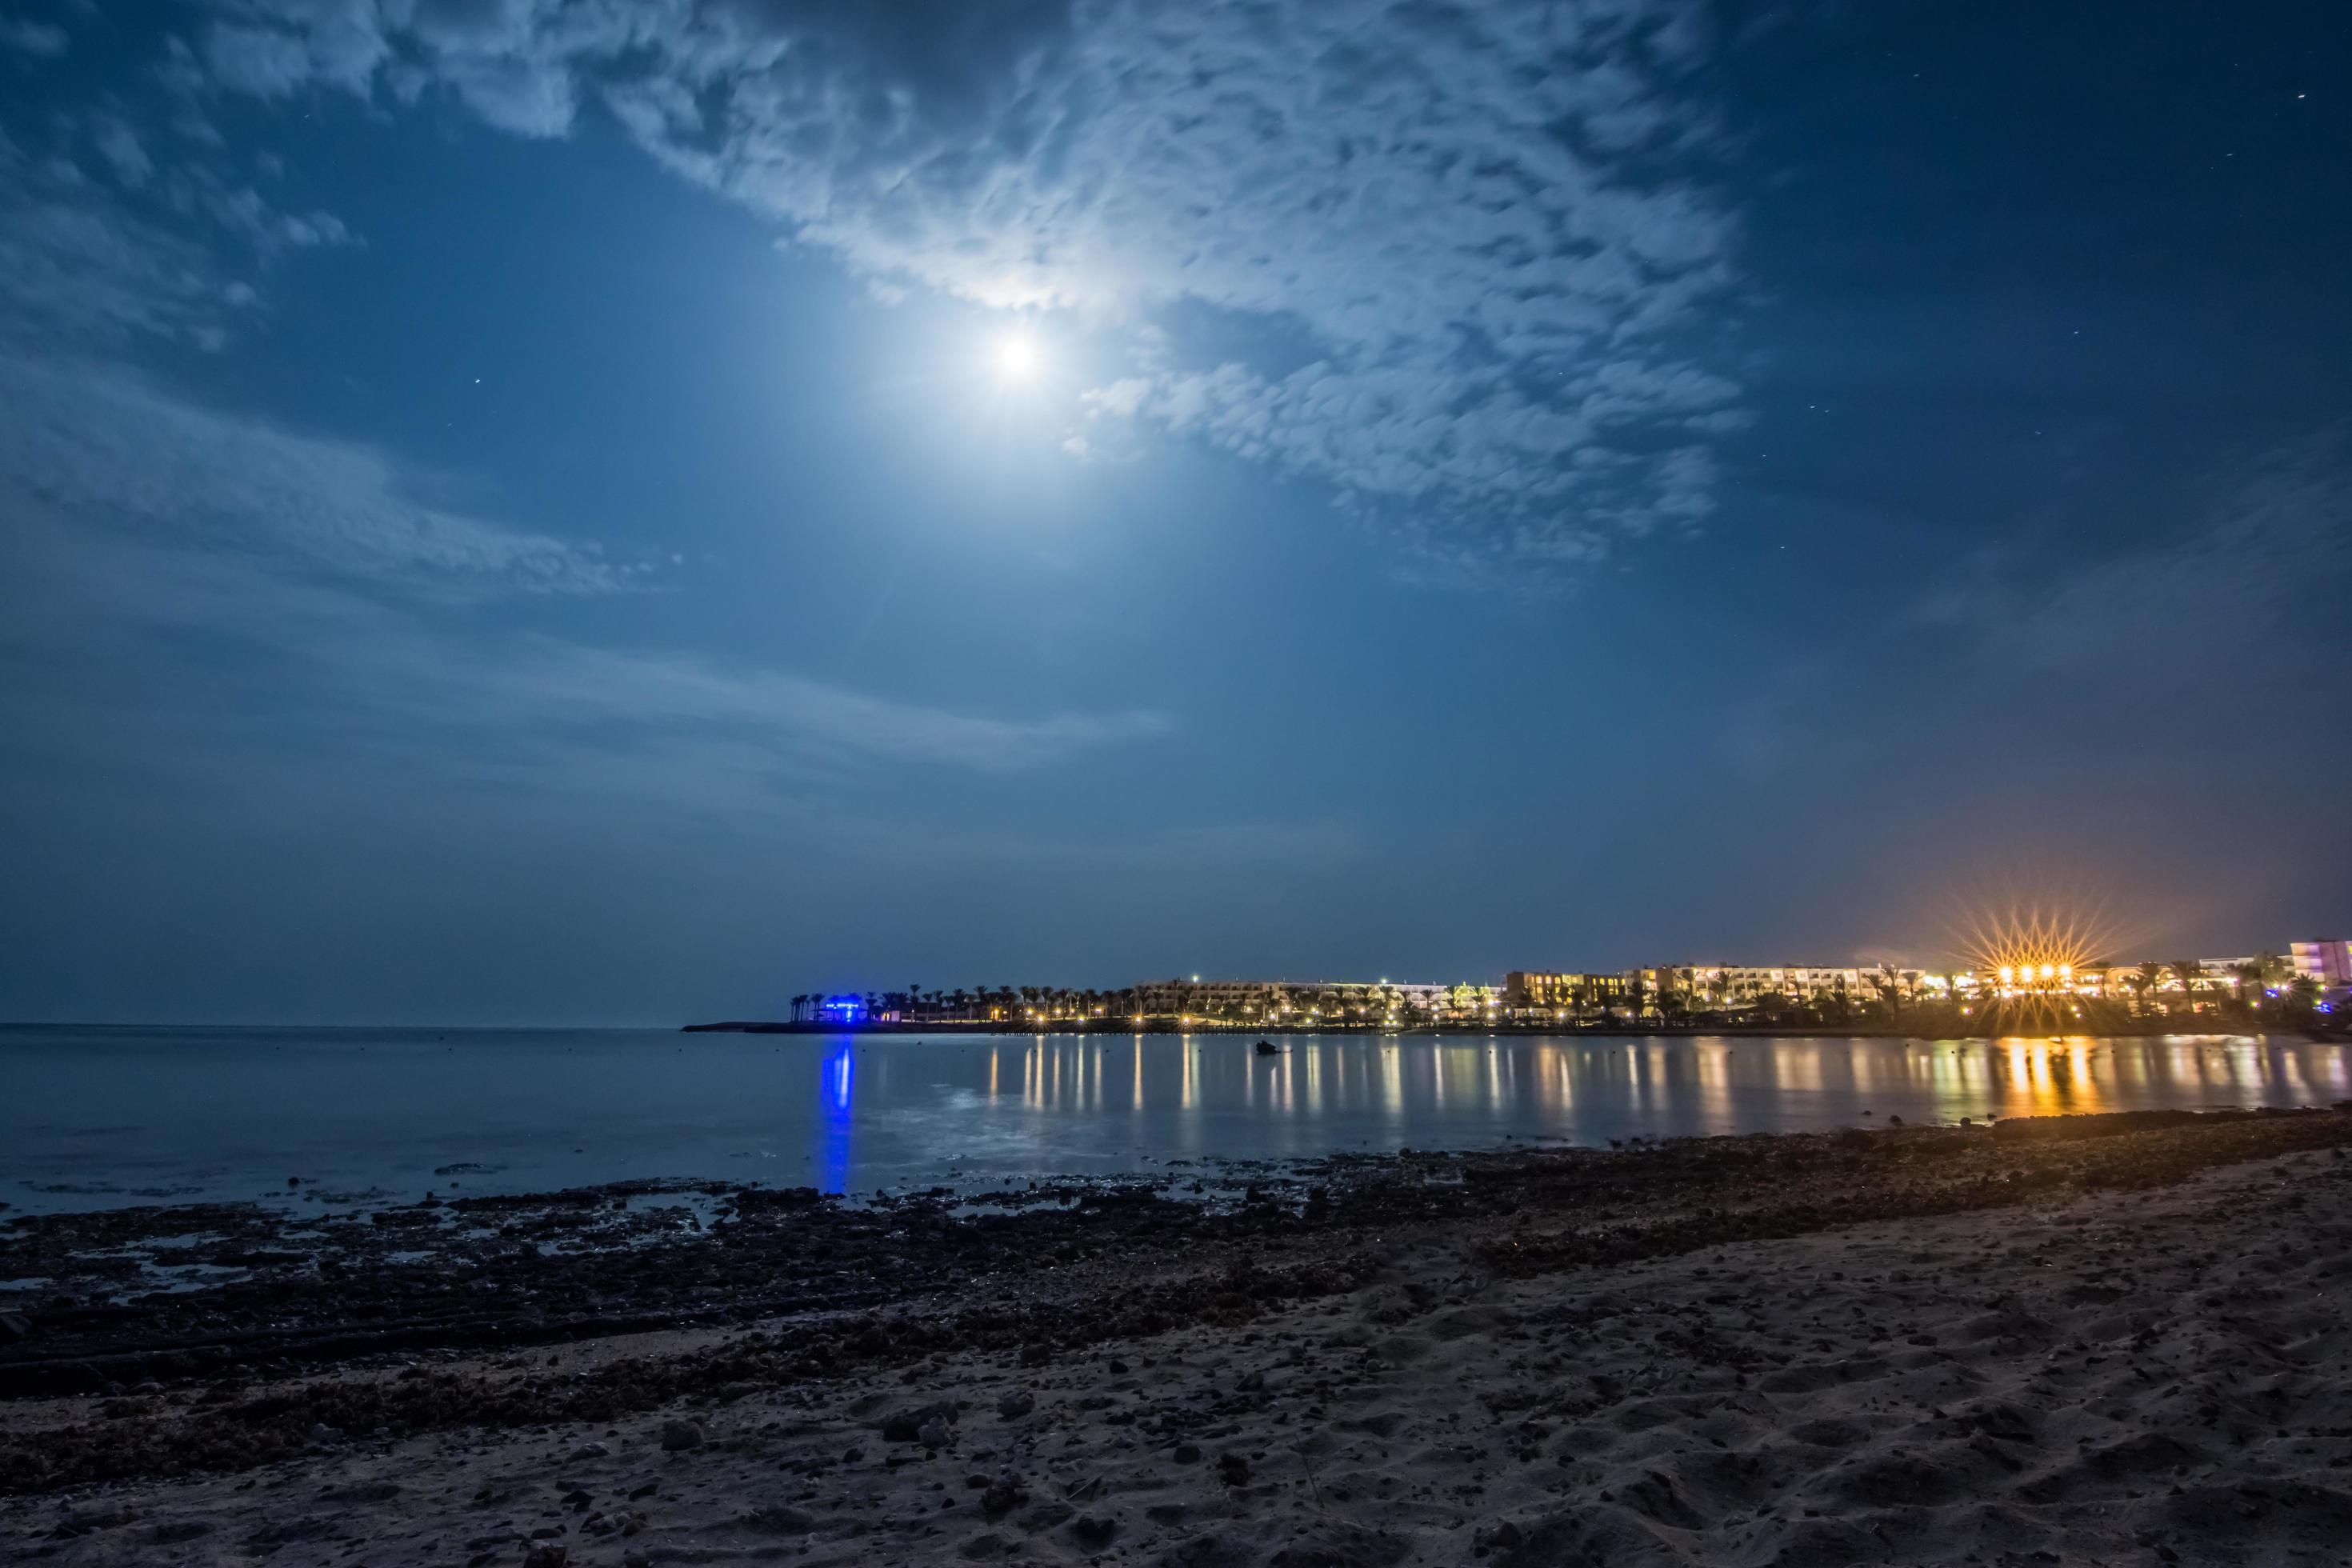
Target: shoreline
x=2078, y=1338
x=902, y=1112
x=2136, y=1029
x=1040, y=1271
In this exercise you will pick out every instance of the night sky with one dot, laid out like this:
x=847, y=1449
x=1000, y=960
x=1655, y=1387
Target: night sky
x=626, y=512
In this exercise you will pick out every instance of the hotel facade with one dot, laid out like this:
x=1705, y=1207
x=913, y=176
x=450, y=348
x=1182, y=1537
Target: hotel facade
x=2320, y=970
x=1530, y=996
x=1271, y=1004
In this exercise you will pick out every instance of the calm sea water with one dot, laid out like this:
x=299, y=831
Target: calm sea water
x=93, y=1117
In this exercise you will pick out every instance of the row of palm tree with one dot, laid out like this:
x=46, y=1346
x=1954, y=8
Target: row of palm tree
x=2247, y=981
x=1001, y=1004
x=1888, y=994
x=1021, y=1005
x=1891, y=993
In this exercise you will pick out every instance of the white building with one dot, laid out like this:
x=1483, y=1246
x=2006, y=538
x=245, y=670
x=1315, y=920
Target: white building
x=2328, y=964
x=1271, y=1003
x=1744, y=984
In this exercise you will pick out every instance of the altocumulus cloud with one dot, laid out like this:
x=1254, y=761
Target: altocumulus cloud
x=159, y=547
x=1473, y=225
x=102, y=444
x=2212, y=610
x=106, y=241
x=310, y=561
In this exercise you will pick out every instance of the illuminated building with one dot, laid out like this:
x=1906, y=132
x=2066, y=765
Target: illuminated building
x=848, y=1009
x=1729, y=986
x=1531, y=988
x=2325, y=963
x=1707, y=987
x=1274, y=1002
x=2041, y=968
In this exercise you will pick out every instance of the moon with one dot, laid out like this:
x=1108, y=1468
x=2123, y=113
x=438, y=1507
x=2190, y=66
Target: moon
x=1017, y=359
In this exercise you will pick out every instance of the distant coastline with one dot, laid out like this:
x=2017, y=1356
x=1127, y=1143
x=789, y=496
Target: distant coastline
x=2128, y=1028
x=2041, y=989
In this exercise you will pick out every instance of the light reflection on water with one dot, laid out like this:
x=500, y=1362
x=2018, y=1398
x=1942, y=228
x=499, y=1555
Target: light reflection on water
x=125, y=1116
x=1579, y=1090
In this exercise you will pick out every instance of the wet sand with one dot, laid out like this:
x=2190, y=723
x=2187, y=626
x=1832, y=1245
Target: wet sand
x=2101, y=1340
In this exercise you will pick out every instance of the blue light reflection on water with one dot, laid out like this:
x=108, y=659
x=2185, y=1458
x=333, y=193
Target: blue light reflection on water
x=92, y=1117
x=834, y=1097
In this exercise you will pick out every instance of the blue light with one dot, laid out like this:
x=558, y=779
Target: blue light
x=835, y=1121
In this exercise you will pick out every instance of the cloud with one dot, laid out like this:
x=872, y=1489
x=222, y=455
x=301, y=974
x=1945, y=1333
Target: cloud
x=175, y=570
x=276, y=48
x=121, y=147
x=43, y=40
x=208, y=597
x=231, y=689
x=76, y=263
x=2031, y=658
x=103, y=445
x=678, y=691
x=1476, y=220
x=155, y=241
x=2211, y=626
x=123, y=640
x=2212, y=608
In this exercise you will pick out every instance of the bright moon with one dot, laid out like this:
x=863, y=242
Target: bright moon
x=1016, y=359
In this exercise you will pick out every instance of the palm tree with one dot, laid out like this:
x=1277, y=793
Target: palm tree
x=2146, y=979
x=1888, y=984
x=2189, y=973
x=2269, y=969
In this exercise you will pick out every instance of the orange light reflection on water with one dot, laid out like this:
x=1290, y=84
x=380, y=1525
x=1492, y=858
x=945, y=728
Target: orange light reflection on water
x=1574, y=1088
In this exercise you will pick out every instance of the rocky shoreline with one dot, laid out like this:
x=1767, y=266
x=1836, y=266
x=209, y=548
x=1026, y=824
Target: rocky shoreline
x=439, y=1338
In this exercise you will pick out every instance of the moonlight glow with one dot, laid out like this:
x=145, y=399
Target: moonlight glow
x=1017, y=359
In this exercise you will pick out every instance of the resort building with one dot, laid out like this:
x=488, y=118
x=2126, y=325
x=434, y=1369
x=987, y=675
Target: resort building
x=1733, y=986
x=2326, y=965
x=1706, y=987
x=1271, y=1004
x=1532, y=989
x=1671, y=993
x=1745, y=983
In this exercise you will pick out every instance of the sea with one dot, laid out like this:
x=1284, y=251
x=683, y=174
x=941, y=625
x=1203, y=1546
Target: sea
x=93, y=1117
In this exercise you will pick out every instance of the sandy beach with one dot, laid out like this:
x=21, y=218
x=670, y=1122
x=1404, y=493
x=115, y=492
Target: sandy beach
x=2094, y=1341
